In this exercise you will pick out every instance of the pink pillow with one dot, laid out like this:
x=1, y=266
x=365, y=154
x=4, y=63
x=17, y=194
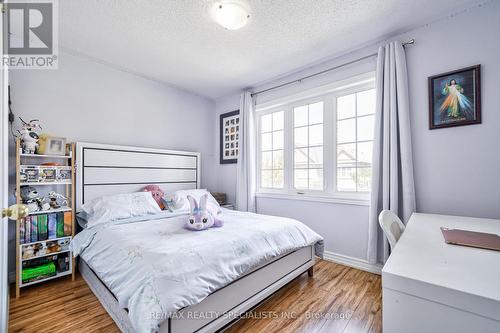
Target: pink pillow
x=157, y=194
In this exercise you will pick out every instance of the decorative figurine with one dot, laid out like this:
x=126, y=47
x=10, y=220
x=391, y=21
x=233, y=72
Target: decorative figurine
x=56, y=200
x=29, y=135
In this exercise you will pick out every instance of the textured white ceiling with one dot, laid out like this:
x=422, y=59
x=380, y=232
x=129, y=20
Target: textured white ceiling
x=176, y=41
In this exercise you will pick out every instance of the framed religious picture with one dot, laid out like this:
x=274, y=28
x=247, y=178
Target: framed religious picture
x=229, y=136
x=455, y=98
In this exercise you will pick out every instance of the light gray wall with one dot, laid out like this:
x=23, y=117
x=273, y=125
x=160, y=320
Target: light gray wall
x=87, y=101
x=456, y=169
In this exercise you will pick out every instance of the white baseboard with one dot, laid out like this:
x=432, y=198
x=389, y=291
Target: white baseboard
x=353, y=262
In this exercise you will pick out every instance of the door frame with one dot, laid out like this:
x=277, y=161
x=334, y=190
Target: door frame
x=4, y=185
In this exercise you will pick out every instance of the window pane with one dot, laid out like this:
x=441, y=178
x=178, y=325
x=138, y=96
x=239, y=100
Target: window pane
x=316, y=113
x=265, y=123
x=300, y=116
x=300, y=137
x=346, y=106
x=346, y=130
x=278, y=140
x=364, y=179
x=278, y=159
x=277, y=178
x=266, y=143
x=316, y=179
x=316, y=157
x=300, y=158
x=346, y=179
x=365, y=154
x=266, y=159
x=315, y=135
x=365, y=102
x=278, y=120
x=266, y=178
x=346, y=155
x=300, y=178
x=365, y=128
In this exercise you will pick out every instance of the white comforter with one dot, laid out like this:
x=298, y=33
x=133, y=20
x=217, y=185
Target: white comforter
x=153, y=265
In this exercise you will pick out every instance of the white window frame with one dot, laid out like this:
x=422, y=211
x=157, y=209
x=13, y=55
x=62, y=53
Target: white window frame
x=259, y=152
x=291, y=133
x=328, y=94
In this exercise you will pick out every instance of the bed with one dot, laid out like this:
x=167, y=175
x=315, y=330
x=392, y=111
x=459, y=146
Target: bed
x=183, y=281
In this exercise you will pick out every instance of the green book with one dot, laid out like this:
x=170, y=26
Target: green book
x=42, y=227
x=60, y=225
x=33, y=229
x=39, y=272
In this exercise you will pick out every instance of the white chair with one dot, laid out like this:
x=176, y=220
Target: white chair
x=392, y=226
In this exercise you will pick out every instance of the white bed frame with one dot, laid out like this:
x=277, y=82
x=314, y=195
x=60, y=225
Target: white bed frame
x=109, y=169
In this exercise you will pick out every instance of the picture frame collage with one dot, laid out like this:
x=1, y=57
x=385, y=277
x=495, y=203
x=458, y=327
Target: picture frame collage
x=229, y=137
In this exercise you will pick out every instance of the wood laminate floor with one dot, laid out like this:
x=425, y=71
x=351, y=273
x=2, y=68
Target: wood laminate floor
x=337, y=299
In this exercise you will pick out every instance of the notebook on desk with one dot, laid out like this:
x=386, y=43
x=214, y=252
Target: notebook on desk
x=471, y=238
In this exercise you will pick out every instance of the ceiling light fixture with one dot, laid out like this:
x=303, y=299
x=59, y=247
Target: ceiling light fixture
x=231, y=14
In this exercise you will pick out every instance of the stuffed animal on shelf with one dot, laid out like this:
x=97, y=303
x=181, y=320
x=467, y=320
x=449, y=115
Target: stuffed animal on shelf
x=201, y=218
x=56, y=200
x=28, y=251
x=53, y=247
x=64, y=244
x=32, y=200
x=43, y=250
x=29, y=135
x=157, y=194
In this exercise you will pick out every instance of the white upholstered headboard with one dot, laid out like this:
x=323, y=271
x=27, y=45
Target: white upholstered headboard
x=103, y=169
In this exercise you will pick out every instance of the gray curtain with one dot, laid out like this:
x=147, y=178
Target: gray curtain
x=245, y=178
x=393, y=186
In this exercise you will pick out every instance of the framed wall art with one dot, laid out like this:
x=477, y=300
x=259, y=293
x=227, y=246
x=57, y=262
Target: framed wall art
x=455, y=98
x=229, y=136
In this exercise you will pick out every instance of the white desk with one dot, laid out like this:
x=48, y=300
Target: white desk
x=430, y=286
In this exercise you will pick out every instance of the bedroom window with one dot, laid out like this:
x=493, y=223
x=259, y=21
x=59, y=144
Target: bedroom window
x=318, y=145
x=272, y=150
x=355, y=122
x=308, y=146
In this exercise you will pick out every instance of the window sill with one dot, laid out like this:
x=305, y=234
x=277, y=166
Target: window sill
x=324, y=199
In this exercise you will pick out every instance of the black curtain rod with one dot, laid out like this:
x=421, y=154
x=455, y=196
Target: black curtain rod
x=411, y=41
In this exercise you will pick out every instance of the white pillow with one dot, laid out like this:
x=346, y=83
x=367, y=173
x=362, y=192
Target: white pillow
x=181, y=202
x=119, y=206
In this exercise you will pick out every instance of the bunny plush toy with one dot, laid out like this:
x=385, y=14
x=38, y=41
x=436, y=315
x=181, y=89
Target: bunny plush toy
x=201, y=218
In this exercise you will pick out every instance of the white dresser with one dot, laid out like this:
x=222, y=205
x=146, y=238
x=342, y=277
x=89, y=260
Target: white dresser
x=433, y=287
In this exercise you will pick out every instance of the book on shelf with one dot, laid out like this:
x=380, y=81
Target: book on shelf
x=22, y=231
x=42, y=227
x=34, y=229
x=68, y=227
x=60, y=224
x=52, y=226
x=38, y=272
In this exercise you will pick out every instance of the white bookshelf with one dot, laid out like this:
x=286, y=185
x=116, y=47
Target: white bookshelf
x=36, y=160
